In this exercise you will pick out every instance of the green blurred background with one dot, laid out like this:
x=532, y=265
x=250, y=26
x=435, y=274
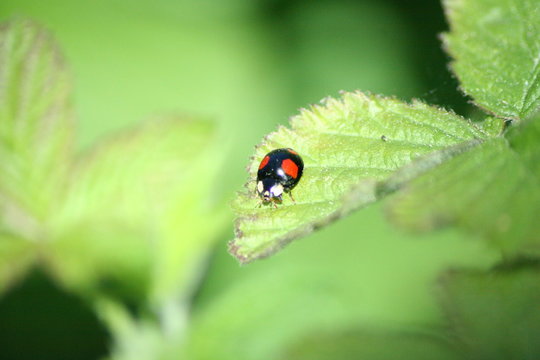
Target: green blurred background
x=249, y=65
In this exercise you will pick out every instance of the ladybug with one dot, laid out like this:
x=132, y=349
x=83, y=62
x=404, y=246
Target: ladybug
x=279, y=171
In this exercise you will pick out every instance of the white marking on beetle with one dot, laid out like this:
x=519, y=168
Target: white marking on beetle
x=276, y=190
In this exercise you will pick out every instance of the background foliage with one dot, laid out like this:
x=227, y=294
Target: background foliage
x=123, y=248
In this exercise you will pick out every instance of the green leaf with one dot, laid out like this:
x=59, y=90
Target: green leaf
x=496, y=51
x=352, y=142
x=524, y=141
x=36, y=120
x=35, y=138
x=494, y=315
x=370, y=345
x=142, y=209
x=492, y=191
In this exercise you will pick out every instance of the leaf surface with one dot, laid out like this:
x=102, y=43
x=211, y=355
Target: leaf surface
x=501, y=202
x=348, y=145
x=36, y=124
x=36, y=120
x=496, y=51
x=142, y=209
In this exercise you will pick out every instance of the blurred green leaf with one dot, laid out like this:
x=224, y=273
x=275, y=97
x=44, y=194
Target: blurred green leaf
x=370, y=345
x=492, y=190
x=355, y=141
x=36, y=125
x=142, y=210
x=494, y=315
x=496, y=51
x=130, y=220
x=35, y=138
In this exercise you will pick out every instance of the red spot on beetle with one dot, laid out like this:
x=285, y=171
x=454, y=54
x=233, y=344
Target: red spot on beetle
x=290, y=168
x=264, y=162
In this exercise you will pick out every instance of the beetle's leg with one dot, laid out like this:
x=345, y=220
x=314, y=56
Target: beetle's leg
x=290, y=194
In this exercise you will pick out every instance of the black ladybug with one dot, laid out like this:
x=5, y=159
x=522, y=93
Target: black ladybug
x=280, y=170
